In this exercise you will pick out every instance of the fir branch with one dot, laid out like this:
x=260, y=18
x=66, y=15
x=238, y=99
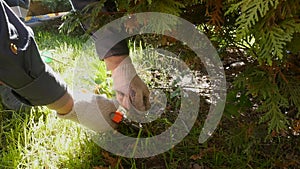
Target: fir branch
x=216, y=13
x=273, y=40
x=261, y=86
x=166, y=6
x=251, y=12
x=291, y=90
x=277, y=121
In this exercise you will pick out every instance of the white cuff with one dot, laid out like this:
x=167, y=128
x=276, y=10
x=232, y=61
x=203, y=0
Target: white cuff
x=93, y=112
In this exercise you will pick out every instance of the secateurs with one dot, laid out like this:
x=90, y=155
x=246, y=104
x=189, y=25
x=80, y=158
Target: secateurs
x=120, y=118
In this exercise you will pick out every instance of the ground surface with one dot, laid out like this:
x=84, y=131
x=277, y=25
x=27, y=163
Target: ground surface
x=38, y=139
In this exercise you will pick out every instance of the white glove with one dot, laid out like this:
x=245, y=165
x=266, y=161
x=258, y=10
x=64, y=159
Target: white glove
x=130, y=89
x=92, y=111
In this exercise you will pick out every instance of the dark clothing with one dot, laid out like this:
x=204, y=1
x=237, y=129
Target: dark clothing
x=19, y=7
x=21, y=66
x=120, y=48
x=20, y=3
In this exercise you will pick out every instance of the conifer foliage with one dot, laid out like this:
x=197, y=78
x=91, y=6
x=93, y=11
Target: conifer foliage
x=267, y=31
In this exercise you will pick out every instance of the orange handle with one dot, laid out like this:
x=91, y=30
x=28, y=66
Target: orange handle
x=117, y=117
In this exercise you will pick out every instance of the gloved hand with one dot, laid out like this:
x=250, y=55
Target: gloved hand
x=92, y=111
x=130, y=89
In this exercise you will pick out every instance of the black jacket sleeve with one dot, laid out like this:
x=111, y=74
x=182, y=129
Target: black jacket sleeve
x=20, y=7
x=120, y=48
x=21, y=3
x=21, y=67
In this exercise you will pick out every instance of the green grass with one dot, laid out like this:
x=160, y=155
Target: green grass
x=38, y=139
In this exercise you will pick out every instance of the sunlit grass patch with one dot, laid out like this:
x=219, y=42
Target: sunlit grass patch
x=38, y=138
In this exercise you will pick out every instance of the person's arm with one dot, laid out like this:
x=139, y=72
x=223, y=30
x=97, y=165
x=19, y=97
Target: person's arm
x=21, y=66
x=121, y=48
x=34, y=82
x=34, y=67
x=130, y=89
